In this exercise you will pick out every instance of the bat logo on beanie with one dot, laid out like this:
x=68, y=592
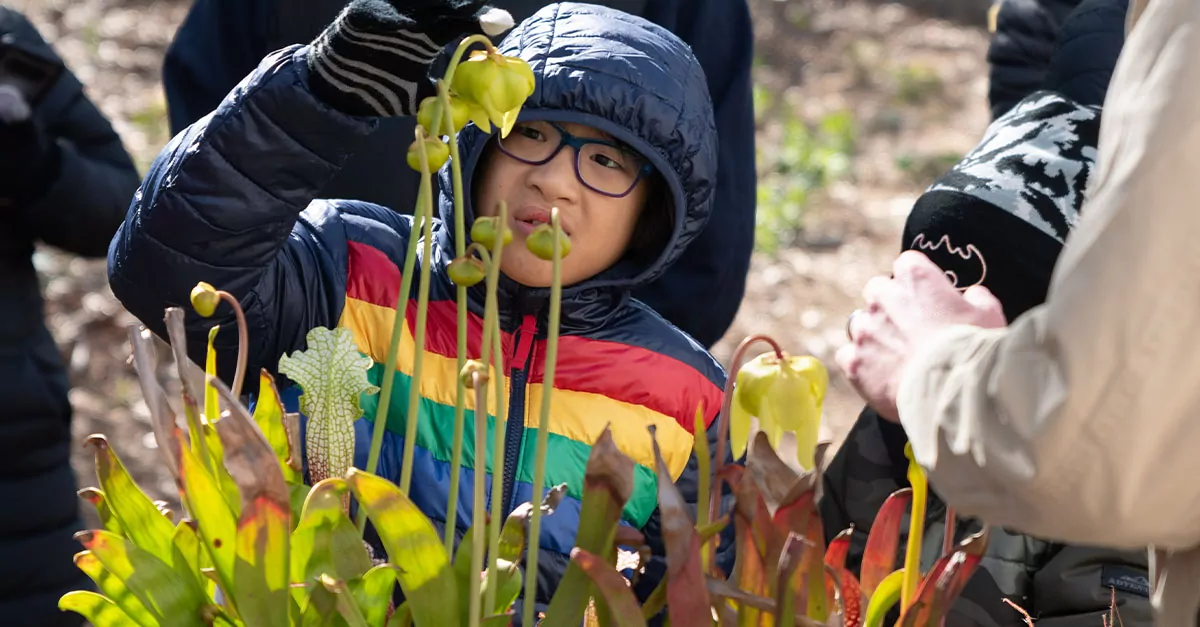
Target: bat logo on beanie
x=965, y=266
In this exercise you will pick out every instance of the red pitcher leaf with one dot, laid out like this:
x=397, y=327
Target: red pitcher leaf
x=96, y=609
x=614, y=589
x=136, y=514
x=264, y=526
x=883, y=542
x=162, y=419
x=168, y=597
x=844, y=593
x=810, y=598
x=790, y=560
x=95, y=496
x=607, y=485
x=628, y=536
x=945, y=581
x=114, y=589
x=839, y=547
x=413, y=545
x=687, y=601
x=776, y=481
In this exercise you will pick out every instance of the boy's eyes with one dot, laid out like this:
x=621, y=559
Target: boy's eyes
x=530, y=133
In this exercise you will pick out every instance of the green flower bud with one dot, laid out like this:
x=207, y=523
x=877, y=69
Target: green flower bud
x=541, y=242
x=459, y=108
x=205, y=299
x=483, y=231
x=466, y=271
x=470, y=368
x=497, y=84
x=436, y=152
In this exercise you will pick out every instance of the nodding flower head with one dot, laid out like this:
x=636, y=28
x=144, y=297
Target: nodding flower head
x=205, y=299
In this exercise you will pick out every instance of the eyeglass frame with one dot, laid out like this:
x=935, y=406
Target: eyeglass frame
x=576, y=142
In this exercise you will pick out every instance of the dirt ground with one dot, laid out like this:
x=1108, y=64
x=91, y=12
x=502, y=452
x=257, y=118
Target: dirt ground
x=913, y=84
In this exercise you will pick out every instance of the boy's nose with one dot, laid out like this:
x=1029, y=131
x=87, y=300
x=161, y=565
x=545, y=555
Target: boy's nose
x=556, y=178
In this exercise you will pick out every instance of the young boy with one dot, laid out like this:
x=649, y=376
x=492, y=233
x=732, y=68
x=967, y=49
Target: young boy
x=618, y=135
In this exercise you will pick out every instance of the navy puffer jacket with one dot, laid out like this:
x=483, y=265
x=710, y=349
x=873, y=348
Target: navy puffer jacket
x=1020, y=51
x=232, y=201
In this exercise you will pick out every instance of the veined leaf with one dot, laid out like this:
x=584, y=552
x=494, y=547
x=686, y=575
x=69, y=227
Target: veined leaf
x=168, y=597
x=687, y=598
x=413, y=545
x=114, y=589
x=607, y=486
x=613, y=587
x=883, y=542
x=136, y=514
x=98, y=610
x=333, y=376
x=261, y=553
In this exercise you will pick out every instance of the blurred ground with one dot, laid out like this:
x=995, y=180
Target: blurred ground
x=860, y=104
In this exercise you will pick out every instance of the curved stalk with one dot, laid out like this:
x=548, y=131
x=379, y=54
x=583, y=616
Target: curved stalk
x=441, y=108
x=243, y=341
x=916, y=531
x=539, y=468
x=413, y=416
x=460, y=399
x=735, y=364
x=479, y=383
x=389, y=371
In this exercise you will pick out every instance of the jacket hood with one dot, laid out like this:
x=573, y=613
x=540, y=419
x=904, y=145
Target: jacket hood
x=627, y=77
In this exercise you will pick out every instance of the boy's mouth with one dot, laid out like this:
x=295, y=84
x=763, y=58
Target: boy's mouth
x=528, y=218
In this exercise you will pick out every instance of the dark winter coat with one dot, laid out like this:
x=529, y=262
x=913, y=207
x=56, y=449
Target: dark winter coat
x=74, y=200
x=232, y=201
x=221, y=41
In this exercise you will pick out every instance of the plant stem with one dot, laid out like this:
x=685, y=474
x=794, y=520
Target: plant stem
x=243, y=342
x=475, y=601
x=489, y=600
x=916, y=532
x=460, y=398
x=704, y=480
x=735, y=364
x=539, y=468
x=389, y=371
x=413, y=416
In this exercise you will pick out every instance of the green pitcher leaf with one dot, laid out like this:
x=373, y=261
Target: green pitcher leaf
x=297, y=493
x=95, y=496
x=262, y=542
x=325, y=540
x=623, y=605
x=322, y=608
x=114, y=589
x=344, y=601
x=136, y=514
x=885, y=596
x=508, y=587
x=187, y=553
x=413, y=545
x=229, y=488
x=268, y=414
x=373, y=592
x=212, y=406
x=402, y=617
x=216, y=522
x=98, y=610
x=170, y=598
x=607, y=485
x=333, y=376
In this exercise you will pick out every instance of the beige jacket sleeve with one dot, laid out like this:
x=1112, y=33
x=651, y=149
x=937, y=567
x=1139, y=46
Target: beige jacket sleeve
x=1081, y=420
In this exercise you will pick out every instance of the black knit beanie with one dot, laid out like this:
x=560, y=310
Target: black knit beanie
x=999, y=217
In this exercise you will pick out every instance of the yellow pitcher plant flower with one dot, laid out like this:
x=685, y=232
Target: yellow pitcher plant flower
x=785, y=395
x=497, y=84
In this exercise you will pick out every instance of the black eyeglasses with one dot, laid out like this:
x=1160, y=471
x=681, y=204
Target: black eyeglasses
x=603, y=166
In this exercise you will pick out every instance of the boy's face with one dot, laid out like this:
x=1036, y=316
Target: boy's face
x=600, y=226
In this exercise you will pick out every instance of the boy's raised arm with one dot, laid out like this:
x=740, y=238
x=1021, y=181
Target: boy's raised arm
x=220, y=204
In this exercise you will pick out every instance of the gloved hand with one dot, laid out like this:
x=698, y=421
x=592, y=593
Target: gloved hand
x=374, y=58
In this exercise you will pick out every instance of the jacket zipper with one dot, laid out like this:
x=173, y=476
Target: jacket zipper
x=514, y=430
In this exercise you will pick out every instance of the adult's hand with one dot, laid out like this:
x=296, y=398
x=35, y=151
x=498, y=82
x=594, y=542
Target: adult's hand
x=903, y=312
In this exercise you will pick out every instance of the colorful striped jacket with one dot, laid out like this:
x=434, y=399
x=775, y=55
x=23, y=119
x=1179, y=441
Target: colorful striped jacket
x=232, y=200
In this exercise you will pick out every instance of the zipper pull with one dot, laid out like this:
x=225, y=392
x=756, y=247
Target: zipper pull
x=524, y=344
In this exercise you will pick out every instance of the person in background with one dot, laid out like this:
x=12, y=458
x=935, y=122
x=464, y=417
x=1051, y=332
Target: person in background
x=1064, y=45
x=992, y=221
x=1074, y=421
x=221, y=41
x=65, y=180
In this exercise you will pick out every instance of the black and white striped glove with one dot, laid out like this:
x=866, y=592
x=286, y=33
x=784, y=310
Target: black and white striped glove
x=374, y=58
